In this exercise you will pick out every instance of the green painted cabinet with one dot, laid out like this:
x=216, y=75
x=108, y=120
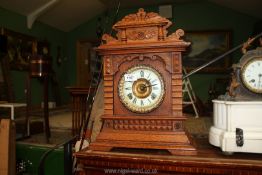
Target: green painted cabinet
x=31, y=155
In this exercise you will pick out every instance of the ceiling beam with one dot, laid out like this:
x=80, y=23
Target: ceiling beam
x=39, y=11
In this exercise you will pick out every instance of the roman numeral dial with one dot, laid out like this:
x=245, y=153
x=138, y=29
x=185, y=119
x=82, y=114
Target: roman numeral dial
x=141, y=89
x=251, y=75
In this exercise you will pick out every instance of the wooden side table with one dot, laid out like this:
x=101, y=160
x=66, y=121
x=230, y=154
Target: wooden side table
x=209, y=161
x=12, y=107
x=79, y=104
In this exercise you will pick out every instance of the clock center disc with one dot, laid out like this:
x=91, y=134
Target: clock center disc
x=142, y=88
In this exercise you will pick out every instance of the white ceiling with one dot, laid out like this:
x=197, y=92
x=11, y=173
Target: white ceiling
x=65, y=15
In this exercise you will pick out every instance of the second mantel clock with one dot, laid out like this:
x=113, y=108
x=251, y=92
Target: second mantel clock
x=143, y=87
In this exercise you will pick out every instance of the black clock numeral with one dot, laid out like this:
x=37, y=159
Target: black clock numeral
x=153, y=96
x=142, y=73
x=155, y=88
x=128, y=88
x=252, y=81
x=130, y=96
x=141, y=103
x=134, y=100
x=149, y=100
x=153, y=81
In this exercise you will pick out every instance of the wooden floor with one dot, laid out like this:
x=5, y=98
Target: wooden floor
x=60, y=121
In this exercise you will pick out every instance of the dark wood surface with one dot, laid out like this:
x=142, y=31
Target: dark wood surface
x=209, y=160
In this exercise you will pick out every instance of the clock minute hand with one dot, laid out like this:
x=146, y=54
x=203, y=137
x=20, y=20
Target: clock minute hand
x=150, y=85
x=144, y=86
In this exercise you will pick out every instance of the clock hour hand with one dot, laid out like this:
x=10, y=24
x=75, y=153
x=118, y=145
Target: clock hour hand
x=259, y=80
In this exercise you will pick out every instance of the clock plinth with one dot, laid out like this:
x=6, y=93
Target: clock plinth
x=143, y=87
x=173, y=148
x=146, y=132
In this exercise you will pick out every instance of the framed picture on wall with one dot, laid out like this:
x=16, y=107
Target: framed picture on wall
x=19, y=48
x=205, y=46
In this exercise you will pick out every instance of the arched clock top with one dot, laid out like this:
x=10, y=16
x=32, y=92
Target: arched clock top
x=141, y=18
x=123, y=59
x=251, y=54
x=143, y=27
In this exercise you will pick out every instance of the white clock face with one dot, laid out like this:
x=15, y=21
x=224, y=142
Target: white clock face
x=252, y=75
x=141, y=89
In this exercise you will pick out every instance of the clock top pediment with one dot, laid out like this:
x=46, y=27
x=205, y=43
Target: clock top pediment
x=142, y=19
x=143, y=28
x=251, y=54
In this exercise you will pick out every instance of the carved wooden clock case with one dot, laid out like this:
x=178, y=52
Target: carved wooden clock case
x=143, y=87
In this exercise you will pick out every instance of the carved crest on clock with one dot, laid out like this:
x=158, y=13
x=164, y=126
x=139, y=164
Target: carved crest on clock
x=141, y=27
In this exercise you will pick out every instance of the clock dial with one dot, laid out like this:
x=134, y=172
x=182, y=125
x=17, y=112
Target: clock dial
x=252, y=75
x=141, y=89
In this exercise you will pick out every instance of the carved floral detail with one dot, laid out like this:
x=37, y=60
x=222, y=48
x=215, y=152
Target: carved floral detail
x=109, y=39
x=178, y=125
x=108, y=65
x=176, y=35
x=108, y=123
x=141, y=34
x=120, y=59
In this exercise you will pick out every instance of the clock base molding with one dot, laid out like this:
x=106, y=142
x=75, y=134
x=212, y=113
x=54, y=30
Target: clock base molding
x=146, y=133
x=173, y=148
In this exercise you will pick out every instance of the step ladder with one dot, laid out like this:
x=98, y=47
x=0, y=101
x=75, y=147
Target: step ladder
x=189, y=92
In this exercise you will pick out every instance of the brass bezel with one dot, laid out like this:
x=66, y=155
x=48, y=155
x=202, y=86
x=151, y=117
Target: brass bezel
x=131, y=107
x=243, y=70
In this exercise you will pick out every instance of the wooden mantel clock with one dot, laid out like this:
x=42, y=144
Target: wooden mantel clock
x=143, y=87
